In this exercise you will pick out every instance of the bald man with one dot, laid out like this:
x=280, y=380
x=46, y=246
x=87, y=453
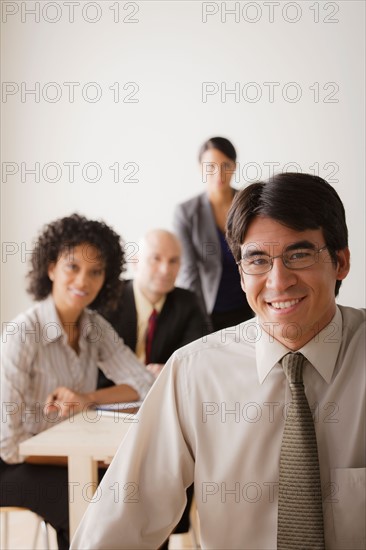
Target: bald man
x=179, y=319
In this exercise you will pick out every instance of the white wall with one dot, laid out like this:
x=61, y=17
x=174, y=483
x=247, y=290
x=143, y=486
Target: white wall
x=169, y=52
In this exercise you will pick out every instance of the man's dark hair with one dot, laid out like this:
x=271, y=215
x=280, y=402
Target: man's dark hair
x=63, y=235
x=221, y=144
x=298, y=201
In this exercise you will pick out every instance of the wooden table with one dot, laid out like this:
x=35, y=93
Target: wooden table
x=84, y=439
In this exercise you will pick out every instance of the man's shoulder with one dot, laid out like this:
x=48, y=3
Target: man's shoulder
x=183, y=294
x=123, y=303
x=354, y=322
x=353, y=317
x=127, y=290
x=186, y=301
x=237, y=340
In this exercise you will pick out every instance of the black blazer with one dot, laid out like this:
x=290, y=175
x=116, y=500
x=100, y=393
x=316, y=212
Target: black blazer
x=180, y=321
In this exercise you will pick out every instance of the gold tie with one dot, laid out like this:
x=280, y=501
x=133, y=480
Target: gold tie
x=300, y=513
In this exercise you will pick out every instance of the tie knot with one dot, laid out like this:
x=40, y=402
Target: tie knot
x=292, y=364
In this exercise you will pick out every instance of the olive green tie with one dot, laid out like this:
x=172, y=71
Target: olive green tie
x=300, y=514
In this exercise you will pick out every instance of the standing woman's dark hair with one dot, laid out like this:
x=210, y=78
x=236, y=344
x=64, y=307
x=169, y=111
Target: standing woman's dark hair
x=63, y=235
x=208, y=267
x=221, y=144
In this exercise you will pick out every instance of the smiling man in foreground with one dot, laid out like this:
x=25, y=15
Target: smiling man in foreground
x=267, y=418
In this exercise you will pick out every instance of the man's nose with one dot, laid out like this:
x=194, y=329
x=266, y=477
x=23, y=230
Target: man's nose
x=164, y=268
x=281, y=277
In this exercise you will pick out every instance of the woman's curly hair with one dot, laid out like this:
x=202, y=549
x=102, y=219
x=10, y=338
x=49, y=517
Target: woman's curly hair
x=66, y=233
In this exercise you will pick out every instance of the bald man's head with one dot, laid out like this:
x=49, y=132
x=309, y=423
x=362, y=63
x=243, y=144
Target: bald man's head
x=158, y=263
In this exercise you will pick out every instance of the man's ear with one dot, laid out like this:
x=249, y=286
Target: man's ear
x=343, y=263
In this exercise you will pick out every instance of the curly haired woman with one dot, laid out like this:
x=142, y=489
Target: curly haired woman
x=51, y=356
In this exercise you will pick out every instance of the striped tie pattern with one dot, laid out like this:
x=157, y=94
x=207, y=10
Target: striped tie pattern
x=300, y=514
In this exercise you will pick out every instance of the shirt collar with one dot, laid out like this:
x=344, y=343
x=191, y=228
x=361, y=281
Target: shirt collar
x=143, y=306
x=51, y=327
x=321, y=351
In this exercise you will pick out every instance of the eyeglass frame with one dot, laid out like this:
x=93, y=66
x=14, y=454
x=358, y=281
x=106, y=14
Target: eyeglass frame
x=271, y=258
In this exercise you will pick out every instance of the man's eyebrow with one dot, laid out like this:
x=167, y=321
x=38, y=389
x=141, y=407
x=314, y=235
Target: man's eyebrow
x=254, y=252
x=302, y=244
x=293, y=246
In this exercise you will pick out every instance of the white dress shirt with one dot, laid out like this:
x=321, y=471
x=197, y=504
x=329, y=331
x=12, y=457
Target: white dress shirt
x=215, y=416
x=36, y=359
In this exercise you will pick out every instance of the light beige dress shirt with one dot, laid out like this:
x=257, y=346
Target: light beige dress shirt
x=143, y=311
x=36, y=358
x=215, y=416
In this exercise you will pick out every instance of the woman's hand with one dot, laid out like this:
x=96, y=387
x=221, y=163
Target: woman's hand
x=63, y=402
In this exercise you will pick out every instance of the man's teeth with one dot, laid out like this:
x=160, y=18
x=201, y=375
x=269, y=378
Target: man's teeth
x=283, y=305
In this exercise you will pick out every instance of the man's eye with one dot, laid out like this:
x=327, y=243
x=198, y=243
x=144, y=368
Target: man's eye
x=260, y=261
x=71, y=267
x=299, y=255
x=257, y=260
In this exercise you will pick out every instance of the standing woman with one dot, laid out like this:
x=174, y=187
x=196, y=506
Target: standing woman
x=208, y=266
x=50, y=359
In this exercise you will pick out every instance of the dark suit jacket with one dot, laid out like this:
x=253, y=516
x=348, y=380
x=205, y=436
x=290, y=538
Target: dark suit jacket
x=180, y=321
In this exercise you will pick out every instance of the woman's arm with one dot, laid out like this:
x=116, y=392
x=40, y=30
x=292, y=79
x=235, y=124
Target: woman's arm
x=48, y=460
x=20, y=413
x=120, y=364
x=65, y=402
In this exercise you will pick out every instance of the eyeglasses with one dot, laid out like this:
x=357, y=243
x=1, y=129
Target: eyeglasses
x=300, y=258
